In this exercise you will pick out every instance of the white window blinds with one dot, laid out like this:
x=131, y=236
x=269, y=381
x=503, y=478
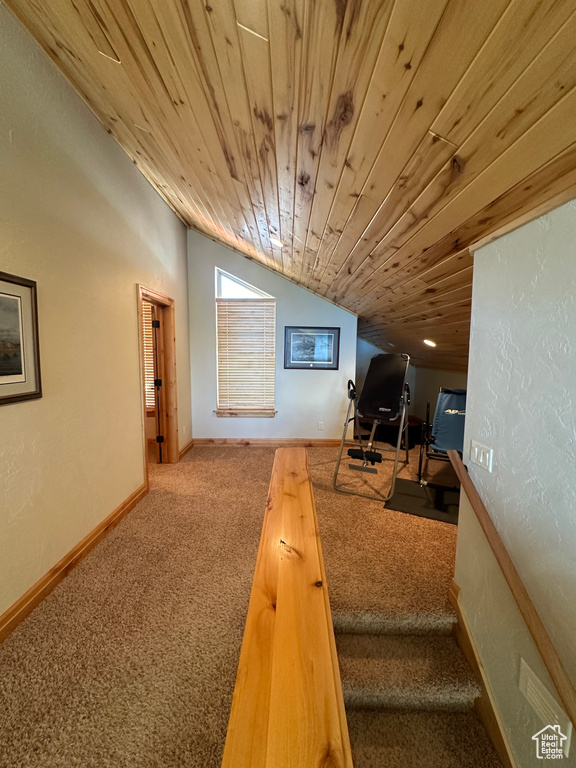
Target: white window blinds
x=148, y=339
x=246, y=353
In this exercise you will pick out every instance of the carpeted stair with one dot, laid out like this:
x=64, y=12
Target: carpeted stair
x=414, y=739
x=409, y=697
x=439, y=620
x=396, y=672
x=408, y=690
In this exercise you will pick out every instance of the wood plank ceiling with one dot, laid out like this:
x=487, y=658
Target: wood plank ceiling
x=376, y=139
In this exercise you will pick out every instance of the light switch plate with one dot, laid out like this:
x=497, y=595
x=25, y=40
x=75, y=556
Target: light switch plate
x=481, y=455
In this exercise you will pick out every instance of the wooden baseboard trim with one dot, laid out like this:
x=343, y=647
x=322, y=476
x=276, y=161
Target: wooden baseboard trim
x=484, y=706
x=257, y=442
x=453, y=594
x=183, y=451
x=26, y=604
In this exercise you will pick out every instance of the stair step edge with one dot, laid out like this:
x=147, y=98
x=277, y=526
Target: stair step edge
x=440, y=623
x=414, y=699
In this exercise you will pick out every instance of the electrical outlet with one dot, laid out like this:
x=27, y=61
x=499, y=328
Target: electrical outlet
x=543, y=703
x=481, y=455
x=320, y=425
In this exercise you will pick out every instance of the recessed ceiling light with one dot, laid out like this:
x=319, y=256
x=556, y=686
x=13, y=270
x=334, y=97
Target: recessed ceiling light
x=430, y=343
x=275, y=241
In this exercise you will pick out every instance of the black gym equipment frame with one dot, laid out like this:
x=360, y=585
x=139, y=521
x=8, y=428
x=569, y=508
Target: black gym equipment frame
x=385, y=397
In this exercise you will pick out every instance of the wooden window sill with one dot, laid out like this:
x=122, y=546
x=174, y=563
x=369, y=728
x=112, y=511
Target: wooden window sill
x=246, y=413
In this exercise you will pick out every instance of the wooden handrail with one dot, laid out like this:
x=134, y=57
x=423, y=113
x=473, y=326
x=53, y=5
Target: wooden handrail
x=288, y=709
x=548, y=652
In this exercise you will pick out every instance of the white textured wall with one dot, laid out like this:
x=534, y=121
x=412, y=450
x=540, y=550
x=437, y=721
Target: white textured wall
x=77, y=217
x=521, y=402
x=303, y=397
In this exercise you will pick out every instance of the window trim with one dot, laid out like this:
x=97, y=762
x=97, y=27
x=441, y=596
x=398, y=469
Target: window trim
x=247, y=413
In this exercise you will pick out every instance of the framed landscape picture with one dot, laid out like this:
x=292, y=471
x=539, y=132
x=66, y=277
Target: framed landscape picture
x=19, y=353
x=312, y=348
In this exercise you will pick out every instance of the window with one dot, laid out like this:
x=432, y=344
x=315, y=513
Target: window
x=246, y=348
x=149, y=368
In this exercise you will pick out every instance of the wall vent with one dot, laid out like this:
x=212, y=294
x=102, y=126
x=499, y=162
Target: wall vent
x=543, y=703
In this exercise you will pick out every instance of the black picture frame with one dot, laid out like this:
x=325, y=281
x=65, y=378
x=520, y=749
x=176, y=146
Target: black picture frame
x=311, y=348
x=19, y=346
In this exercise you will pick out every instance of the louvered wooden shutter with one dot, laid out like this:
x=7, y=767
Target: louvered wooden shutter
x=147, y=335
x=246, y=353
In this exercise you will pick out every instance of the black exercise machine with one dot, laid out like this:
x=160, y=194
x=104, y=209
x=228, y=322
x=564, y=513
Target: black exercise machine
x=385, y=397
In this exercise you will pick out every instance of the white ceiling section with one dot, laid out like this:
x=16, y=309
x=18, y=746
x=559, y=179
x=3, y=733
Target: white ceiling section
x=377, y=140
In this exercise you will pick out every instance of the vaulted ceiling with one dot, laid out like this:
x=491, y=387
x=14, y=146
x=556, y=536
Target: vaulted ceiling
x=376, y=139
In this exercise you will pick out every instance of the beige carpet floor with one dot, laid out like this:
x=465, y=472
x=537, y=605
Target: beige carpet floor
x=131, y=661
x=387, y=571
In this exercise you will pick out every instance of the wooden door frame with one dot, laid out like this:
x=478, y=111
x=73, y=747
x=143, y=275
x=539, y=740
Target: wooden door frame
x=167, y=348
